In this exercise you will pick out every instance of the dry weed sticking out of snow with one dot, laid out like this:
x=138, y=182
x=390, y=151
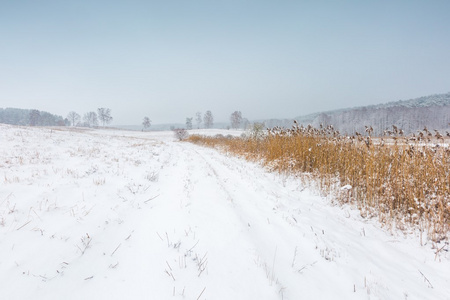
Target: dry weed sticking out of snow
x=110, y=214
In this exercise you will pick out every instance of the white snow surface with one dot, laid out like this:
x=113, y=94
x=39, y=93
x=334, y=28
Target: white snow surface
x=109, y=214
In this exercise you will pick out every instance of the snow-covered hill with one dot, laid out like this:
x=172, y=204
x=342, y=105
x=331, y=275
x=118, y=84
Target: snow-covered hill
x=109, y=214
x=410, y=115
x=426, y=101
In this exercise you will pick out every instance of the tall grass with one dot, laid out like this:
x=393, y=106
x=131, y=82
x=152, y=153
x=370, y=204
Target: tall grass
x=401, y=180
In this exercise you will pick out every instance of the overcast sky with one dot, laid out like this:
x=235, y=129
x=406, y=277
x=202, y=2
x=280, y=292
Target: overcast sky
x=269, y=59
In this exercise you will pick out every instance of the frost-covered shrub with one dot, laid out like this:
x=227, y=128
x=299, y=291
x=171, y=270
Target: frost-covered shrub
x=181, y=133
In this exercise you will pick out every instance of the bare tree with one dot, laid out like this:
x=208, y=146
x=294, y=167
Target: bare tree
x=208, y=119
x=104, y=114
x=146, y=123
x=35, y=117
x=90, y=118
x=245, y=123
x=236, y=119
x=189, y=123
x=180, y=133
x=198, y=119
x=73, y=118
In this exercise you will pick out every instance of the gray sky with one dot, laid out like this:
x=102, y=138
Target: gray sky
x=269, y=59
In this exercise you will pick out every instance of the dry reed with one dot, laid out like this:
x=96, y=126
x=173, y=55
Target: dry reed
x=401, y=180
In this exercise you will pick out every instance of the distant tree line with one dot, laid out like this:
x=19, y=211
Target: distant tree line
x=409, y=119
x=34, y=117
x=207, y=120
x=236, y=120
x=410, y=116
x=30, y=117
x=91, y=119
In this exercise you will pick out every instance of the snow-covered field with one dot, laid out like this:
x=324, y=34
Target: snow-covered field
x=108, y=214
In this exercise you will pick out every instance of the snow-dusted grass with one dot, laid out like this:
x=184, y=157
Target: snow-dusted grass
x=106, y=214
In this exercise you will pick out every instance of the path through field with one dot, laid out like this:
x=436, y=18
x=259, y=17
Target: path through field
x=129, y=215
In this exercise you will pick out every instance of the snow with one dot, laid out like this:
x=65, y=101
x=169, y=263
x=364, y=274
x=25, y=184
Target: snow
x=110, y=214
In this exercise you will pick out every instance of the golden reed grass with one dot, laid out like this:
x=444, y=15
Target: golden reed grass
x=401, y=180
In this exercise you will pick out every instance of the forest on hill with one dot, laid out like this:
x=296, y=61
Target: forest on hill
x=412, y=115
x=30, y=117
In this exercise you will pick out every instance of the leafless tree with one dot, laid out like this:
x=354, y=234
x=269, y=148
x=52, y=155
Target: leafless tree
x=104, y=114
x=35, y=117
x=208, y=119
x=198, y=119
x=245, y=123
x=189, y=123
x=146, y=123
x=90, y=118
x=73, y=118
x=236, y=119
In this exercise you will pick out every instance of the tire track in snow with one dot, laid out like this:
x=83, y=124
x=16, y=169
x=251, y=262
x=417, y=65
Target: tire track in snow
x=320, y=246
x=254, y=205
x=229, y=187
x=220, y=232
x=223, y=227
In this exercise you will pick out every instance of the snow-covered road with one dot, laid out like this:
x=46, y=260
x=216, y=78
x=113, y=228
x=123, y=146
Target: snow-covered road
x=132, y=215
